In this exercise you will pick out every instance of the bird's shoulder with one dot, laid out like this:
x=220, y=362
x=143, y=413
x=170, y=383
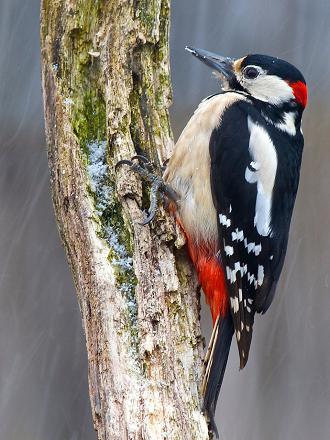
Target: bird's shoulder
x=209, y=114
x=219, y=102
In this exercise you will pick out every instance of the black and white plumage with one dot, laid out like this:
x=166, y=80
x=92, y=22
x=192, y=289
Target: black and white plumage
x=254, y=179
x=235, y=170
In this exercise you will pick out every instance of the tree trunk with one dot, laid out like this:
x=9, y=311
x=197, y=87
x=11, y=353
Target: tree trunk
x=106, y=85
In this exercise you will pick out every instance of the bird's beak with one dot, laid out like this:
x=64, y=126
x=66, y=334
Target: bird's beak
x=224, y=65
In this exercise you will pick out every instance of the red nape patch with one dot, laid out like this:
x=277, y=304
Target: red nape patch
x=300, y=92
x=211, y=277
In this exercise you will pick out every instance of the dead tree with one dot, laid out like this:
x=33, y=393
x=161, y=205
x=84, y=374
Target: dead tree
x=105, y=71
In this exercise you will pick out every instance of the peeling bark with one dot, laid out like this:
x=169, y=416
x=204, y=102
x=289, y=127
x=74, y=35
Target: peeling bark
x=106, y=85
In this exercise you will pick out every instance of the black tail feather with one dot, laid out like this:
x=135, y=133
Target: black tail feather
x=215, y=370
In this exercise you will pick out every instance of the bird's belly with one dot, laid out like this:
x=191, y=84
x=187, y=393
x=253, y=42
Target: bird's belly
x=196, y=210
x=199, y=225
x=188, y=174
x=188, y=170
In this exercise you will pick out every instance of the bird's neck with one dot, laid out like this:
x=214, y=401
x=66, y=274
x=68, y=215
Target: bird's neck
x=284, y=117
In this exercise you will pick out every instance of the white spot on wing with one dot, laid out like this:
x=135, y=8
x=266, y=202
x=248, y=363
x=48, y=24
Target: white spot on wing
x=250, y=247
x=251, y=278
x=260, y=274
x=234, y=304
x=257, y=249
x=237, y=266
x=237, y=235
x=224, y=220
x=229, y=250
x=240, y=295
x=231, y=273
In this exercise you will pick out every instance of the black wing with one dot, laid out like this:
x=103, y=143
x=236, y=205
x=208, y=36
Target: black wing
x=252, y=260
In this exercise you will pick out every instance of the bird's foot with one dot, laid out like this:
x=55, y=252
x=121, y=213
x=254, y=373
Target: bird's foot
x=142, y=166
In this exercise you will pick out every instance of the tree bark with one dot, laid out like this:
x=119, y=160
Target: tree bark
x=105, y=71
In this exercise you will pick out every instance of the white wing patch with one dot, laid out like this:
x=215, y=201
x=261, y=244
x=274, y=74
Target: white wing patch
x=263, y=171
x=224, y=220
x=229, y=250
x=261, y=274
x=263, y=210
x=252, y=247
x=237, y=235
x=250, y=172
x=238, y=268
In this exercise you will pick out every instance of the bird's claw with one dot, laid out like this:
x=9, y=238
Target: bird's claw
x=155, y=188
x=123, y=162
x=144, y=162
x=145, y=169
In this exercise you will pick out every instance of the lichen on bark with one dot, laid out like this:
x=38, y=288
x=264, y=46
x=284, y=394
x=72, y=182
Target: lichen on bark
x=105, y=68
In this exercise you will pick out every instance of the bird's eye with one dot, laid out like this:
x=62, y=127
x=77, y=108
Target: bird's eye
x=251, y=72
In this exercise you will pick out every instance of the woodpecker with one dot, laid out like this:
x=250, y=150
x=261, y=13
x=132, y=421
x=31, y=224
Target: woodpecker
x=234, y=172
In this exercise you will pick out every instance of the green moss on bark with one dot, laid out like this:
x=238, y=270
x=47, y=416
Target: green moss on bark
x=76, y=63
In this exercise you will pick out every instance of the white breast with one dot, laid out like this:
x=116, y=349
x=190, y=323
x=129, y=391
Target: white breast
x=188, y=171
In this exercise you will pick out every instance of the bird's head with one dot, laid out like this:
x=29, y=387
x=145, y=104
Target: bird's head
x=263, y=77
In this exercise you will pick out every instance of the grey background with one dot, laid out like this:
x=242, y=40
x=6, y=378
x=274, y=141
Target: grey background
x=284, y=392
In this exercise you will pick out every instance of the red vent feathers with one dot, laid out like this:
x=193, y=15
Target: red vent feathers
x=211, y=277
x=210, y=273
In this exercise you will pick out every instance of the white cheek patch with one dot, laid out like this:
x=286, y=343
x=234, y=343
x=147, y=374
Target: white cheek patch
x=269, y=88
x=264, y=155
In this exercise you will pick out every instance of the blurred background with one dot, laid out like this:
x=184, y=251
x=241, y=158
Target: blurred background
x=284, y=392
